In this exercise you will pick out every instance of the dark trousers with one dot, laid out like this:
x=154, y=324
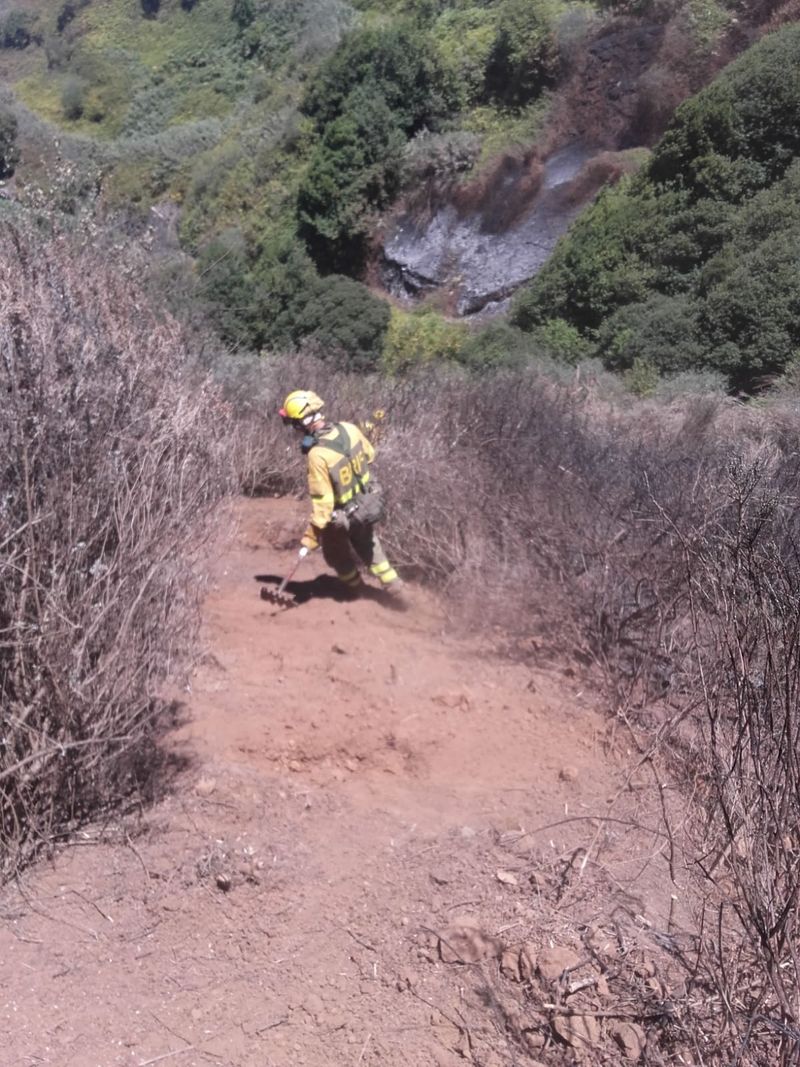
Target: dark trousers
x=343, y=546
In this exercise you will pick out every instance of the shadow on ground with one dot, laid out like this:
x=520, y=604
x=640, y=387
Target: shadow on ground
x=327, y=587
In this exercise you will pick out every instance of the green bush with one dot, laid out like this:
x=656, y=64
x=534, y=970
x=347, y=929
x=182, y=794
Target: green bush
x=421, y=337
x=345, y=323
x=73, y=98
x=562, y=341
x=661, y=332
x=17, y=29
x=496, y=345
x=742, y=131
x=227, y=287
x=243, y=12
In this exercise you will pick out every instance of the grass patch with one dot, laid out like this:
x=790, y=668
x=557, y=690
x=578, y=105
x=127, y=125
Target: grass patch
x=501, y=130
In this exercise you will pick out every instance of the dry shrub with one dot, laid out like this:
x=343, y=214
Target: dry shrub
x=740, y=692
x=114, y=456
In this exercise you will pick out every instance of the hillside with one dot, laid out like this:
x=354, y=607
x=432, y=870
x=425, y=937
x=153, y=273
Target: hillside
x=285, y=140
x=692, y=264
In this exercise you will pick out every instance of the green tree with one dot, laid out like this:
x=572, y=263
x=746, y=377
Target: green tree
x=396, y=63
x=354, y=170
x=524, y=57
x=243, y=13
x=9, y=150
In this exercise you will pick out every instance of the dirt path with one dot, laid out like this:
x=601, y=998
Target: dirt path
x=357, y=778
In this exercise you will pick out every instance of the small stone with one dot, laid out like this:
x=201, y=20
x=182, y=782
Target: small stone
x=339, y=650
x=224, y=881
x=452, y=699
x=527, y=961
x=630, y=1038
x=406, y=979
x=568, y=774
x=295, y=766
x=579, y=1031
x=507, y=878
x=313, y=1004
x=645, y=969
x=509, y=964
x=553, y=962
x=467, y=831
x=205, y=787
x=534, y=1039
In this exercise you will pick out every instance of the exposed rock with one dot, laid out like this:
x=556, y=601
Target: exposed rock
x=630, y=1038
x=205, y=787
x=568, y=774
x=553, y=962
x=487, y=251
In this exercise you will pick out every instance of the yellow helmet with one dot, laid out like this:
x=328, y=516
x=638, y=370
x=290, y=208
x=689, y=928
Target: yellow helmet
x=300, y=405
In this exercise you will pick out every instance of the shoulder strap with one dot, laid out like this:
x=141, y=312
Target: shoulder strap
x=340, y=443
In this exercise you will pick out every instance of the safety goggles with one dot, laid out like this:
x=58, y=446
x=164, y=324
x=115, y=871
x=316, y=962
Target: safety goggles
x=298, y=424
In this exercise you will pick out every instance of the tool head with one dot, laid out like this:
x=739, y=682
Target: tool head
x=279, y=598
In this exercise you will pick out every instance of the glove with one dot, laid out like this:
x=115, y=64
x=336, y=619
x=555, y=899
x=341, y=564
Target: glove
x=308, y=542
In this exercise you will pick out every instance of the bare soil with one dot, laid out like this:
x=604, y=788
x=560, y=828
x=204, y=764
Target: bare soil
x=387, y=845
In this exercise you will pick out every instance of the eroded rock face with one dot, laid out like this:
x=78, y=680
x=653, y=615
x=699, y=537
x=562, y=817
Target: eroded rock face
x=482, y=256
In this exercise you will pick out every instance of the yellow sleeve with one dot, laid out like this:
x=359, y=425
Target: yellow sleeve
x=320, y=488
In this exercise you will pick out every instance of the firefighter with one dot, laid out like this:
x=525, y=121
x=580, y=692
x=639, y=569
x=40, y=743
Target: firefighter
x=345, y=499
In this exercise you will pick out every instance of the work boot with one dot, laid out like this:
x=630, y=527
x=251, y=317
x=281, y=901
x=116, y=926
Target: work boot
x=351, y=590
x=396, y=592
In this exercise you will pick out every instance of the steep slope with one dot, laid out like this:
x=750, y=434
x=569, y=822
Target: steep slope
x=354, y=781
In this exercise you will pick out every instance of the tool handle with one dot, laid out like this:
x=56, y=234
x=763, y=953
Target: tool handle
x=301, y=555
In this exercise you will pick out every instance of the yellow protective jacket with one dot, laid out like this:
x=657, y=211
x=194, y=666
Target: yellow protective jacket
x=338, y=469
